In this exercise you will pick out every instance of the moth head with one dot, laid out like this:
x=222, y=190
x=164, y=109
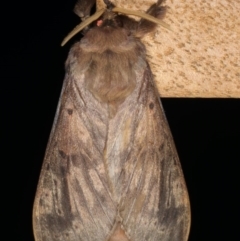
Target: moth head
x=108, y=17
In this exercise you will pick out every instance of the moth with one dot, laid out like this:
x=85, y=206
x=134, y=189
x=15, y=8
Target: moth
x=111, y=171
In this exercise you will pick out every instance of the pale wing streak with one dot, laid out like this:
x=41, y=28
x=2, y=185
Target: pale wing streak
x=118, y=133
x=81, y=220
x=138, y=116
x=73, y=196
x=149, y=165
x=86, y=119
x=138, y=188
x=80, y=190
x=149, y=169
x=78, y=91
x=113, y=147
x=91, y=187
x=86, y=205
x=70, y=146
x=94, y=190
x=152, y=153
x=141, y=214
x=69, y=140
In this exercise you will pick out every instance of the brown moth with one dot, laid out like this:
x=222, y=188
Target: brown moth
x=111, y=171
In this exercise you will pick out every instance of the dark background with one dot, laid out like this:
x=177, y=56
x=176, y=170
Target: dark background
x=206, y=131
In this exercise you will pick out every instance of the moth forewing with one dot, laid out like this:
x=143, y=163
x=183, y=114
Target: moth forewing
x=111, y=171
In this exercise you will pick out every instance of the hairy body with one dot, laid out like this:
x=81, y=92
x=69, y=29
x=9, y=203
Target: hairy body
x=111, y=171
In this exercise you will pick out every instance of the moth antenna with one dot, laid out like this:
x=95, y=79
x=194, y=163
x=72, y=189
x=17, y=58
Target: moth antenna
x=82, y=25
x=142, y=15
x=96, y=15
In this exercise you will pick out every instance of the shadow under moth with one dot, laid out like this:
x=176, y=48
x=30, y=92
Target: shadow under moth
x=111, y=171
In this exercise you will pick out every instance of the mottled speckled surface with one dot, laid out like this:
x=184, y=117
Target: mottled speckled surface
x=201, y=56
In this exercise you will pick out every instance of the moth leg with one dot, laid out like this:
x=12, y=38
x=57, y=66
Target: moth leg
x=128, y=23
x=83, y=8
x=109, y=4
x=157, y=11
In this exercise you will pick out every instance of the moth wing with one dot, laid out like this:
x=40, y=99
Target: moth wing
x=99, y=171
x=72, y=197
x=150, y=187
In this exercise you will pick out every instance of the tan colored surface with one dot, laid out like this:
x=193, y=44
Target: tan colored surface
x=201, y=57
